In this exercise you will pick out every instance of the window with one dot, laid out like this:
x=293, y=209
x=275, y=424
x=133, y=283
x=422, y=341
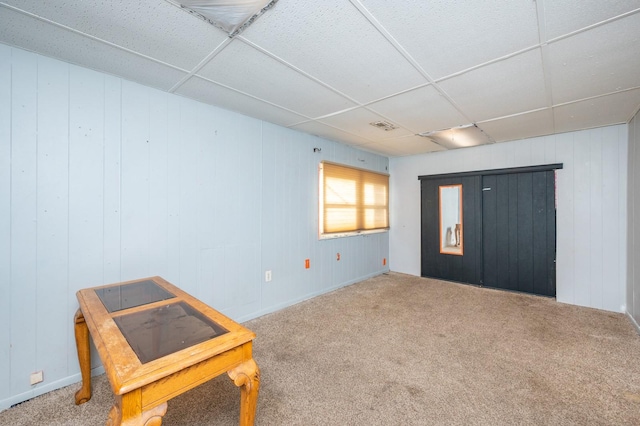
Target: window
x=352, y=201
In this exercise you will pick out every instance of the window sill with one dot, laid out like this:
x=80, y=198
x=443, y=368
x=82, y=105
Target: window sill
x=351, y=234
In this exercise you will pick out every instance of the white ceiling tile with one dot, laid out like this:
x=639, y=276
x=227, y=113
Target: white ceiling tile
x=333, y=41
x=23, y=31
x=602, y=60
x=521, y=126
x=602, y=111
x=380, y=149
x=328, y=132
x=504, y=88
x=420, y=110
x=358, y=121
x=563, y=17
x=213, y=94
x=384, y=149
x=409, y=145
x=248, y=70
x=448, y=36
x=153, y=28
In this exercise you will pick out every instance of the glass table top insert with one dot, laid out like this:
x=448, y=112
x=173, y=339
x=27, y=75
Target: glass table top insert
x=161, y=331
x=127, y=296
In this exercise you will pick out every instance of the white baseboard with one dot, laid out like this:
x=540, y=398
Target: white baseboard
x=41, y=390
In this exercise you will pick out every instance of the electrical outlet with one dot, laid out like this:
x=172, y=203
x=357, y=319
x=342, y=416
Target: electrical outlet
x=267, y=276
x=36, y=377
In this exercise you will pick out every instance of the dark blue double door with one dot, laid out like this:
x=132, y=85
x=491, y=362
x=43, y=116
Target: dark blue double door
x=509, y=226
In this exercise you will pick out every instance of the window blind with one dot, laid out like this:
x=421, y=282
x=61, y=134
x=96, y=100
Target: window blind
x=352, y=199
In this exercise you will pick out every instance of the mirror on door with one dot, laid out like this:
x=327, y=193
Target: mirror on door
x=451, y=219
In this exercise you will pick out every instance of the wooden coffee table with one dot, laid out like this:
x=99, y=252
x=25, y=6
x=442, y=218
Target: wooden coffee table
x=156, y=342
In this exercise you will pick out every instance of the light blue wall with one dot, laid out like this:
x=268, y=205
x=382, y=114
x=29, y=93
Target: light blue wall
x=103, y=180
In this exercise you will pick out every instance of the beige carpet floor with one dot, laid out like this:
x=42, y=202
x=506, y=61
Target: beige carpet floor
x=402, y=350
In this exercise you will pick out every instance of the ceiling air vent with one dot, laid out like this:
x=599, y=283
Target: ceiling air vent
x=384, y=125
x=231, y=16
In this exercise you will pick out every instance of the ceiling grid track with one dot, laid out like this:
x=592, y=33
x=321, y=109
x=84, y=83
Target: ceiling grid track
x=365, y=12
x=592, y=26
x=299, y=71
x=544, y=53
x=219, y=48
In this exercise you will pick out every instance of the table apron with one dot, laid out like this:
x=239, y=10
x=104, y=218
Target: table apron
x=181, y=381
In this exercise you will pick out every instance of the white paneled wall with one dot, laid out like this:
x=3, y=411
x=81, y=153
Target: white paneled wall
x=289, y=165
x=103, y=180
x=633, y=243
x=591, y=212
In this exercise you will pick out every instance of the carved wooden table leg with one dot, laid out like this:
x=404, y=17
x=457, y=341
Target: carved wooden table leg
x=247, y=376
x=84, y=357
x=127, y=411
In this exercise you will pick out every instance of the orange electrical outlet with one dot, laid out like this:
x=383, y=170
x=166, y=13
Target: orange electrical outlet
x=384, y=261
x=338, y=256
x=306, y=264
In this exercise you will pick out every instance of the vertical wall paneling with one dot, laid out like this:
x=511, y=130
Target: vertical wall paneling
x=276, y=246
x=309, y=162
x=598, y=211
x=158, y=183
x=135, y=227
x=86, y=187
x=611, y=192
x=208, y=189
x=112, y=182
x=53, y=210
x=549, y=149
x=524, y=153
x=5, y=220
x=582, y=196
x=188, y=175
x=23, y=218
x=582, y=240
x=250, y=194
x=294, y=206
x=103, y=180
x=268, y=217
x=498, y=155
x=621, y=132
x=239, y=219
x=204, y=147
x=538, y=151
x=174, y=143
x=565, y=259
x=86, y=178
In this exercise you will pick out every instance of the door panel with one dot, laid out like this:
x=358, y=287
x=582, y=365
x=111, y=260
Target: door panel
x=467, y=267
x=518, y=228
x=524, y=246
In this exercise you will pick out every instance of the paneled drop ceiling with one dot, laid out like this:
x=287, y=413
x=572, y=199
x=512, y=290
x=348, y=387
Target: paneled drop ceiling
x=516, y=69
